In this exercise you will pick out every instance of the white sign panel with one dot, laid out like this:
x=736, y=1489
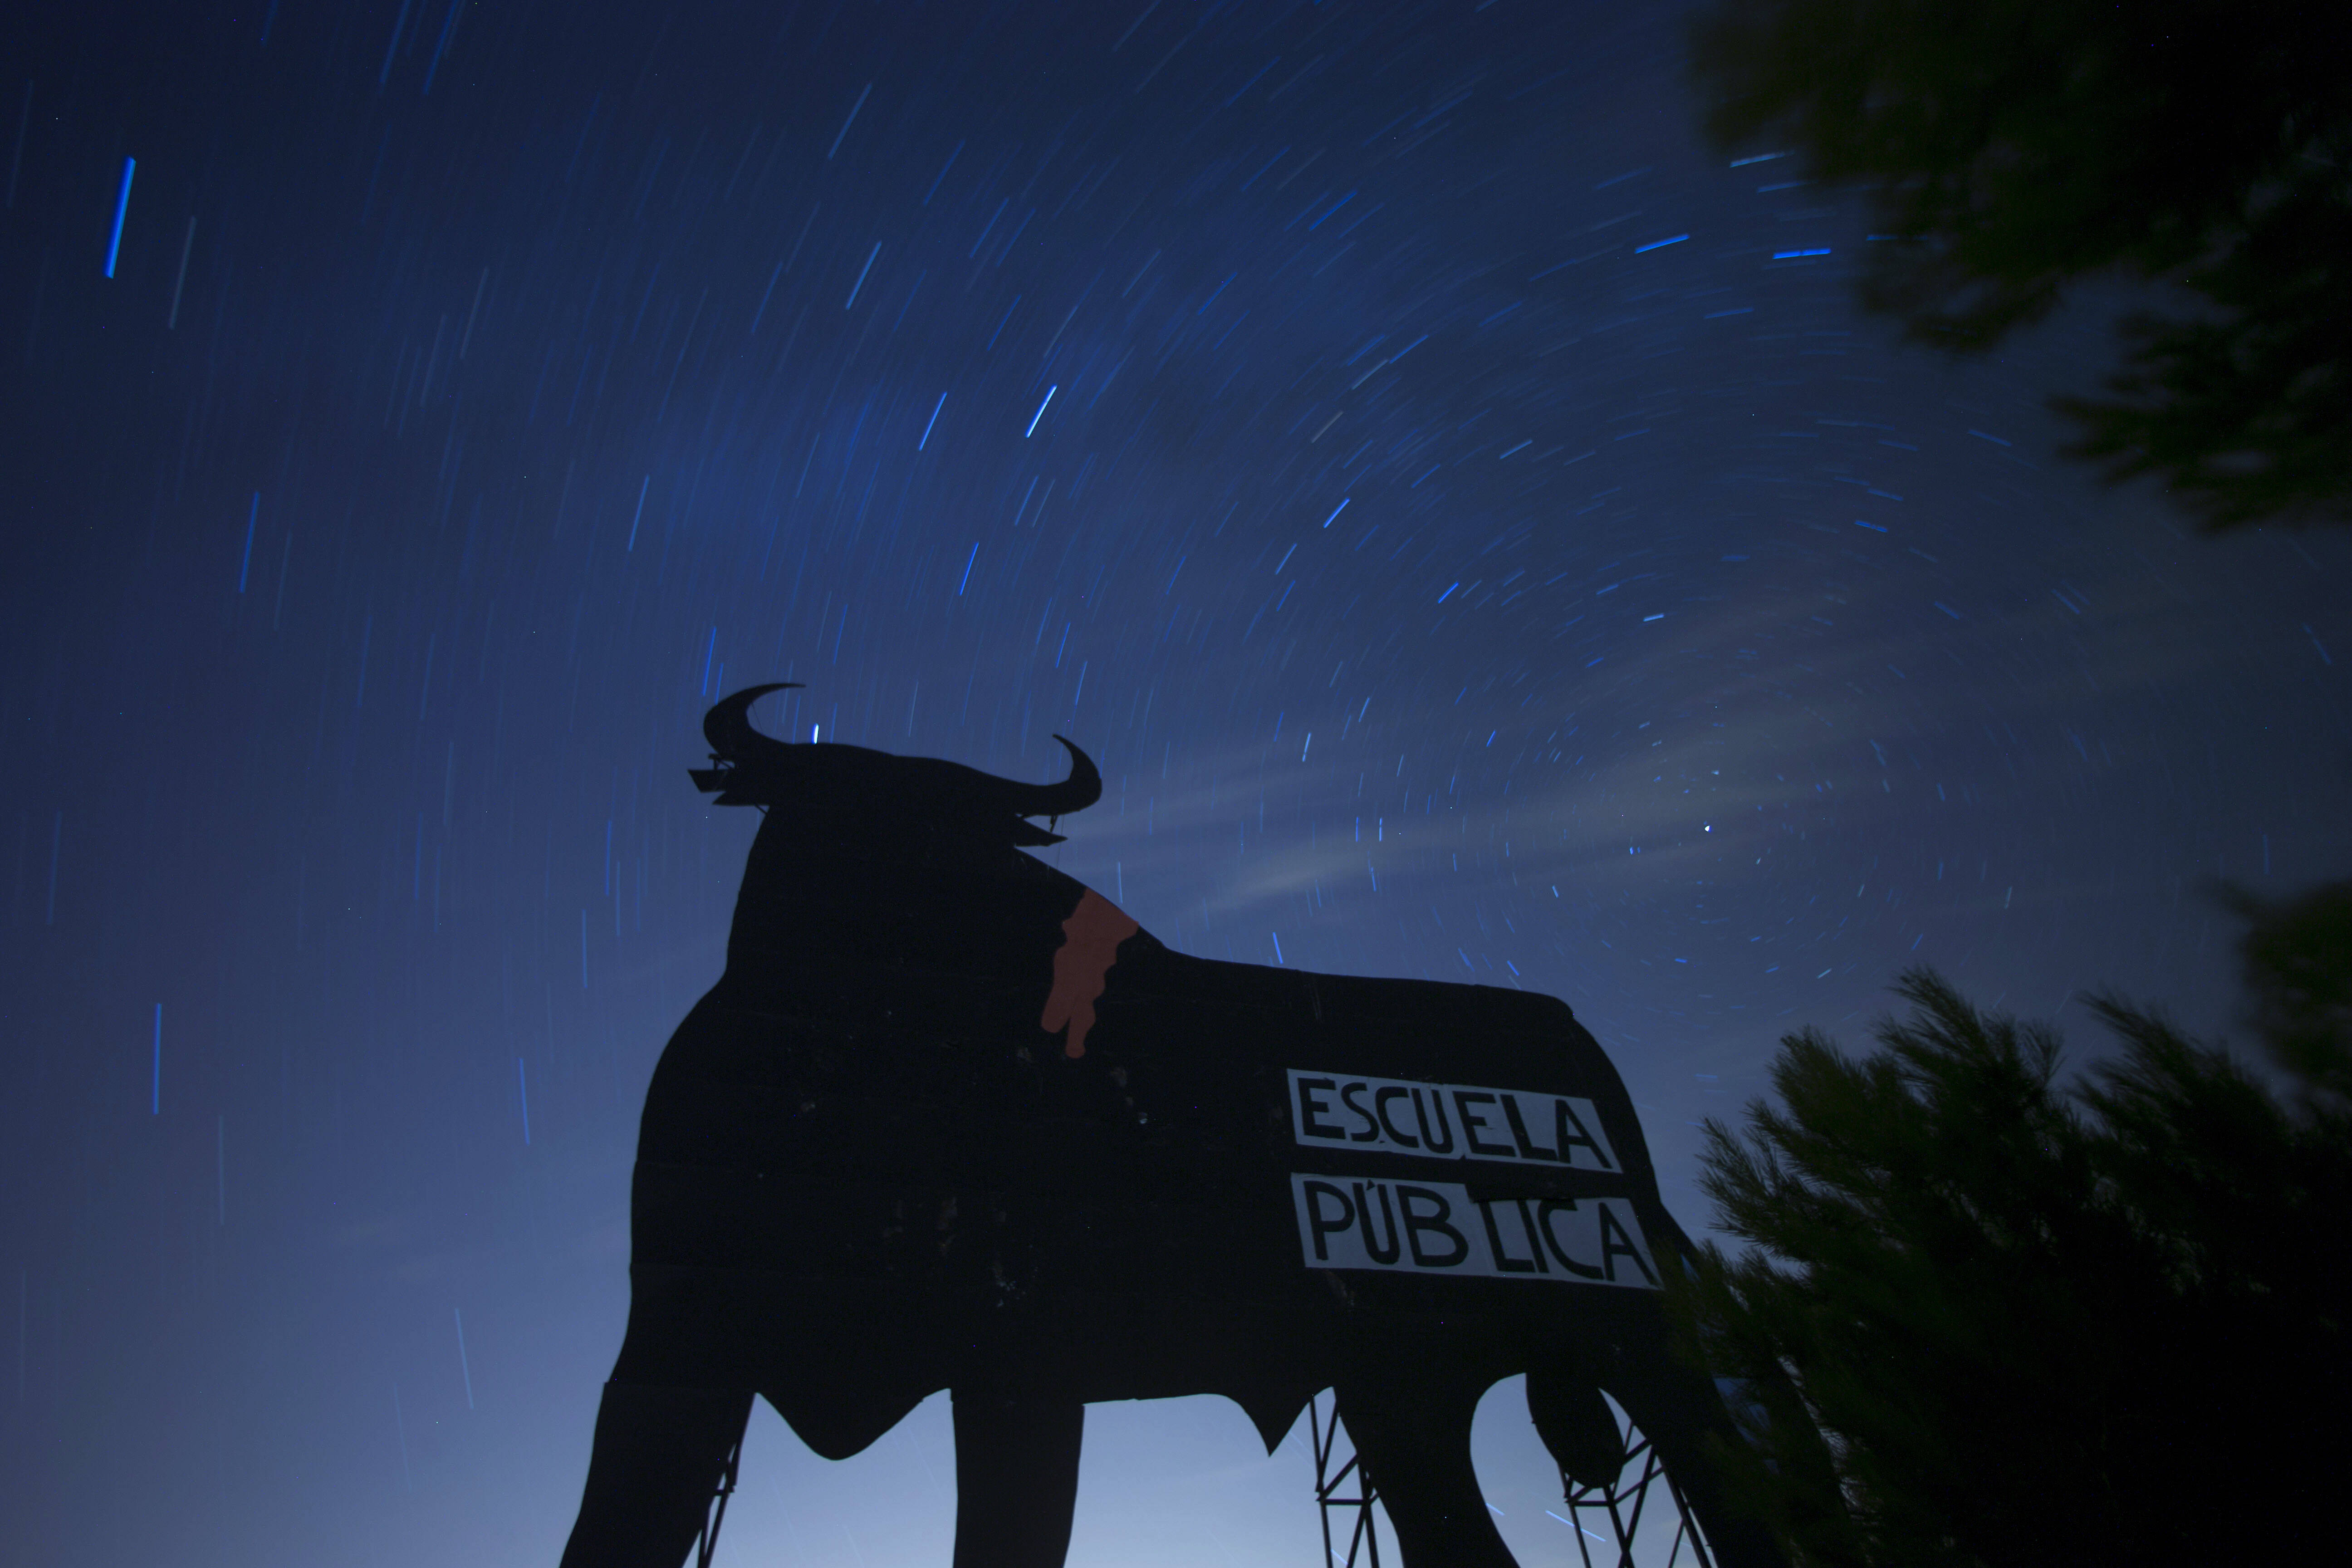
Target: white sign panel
x=1436, y=1228
x=1446, y=1121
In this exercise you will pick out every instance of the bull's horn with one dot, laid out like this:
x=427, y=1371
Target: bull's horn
x=727, y=726
x=1076, y=792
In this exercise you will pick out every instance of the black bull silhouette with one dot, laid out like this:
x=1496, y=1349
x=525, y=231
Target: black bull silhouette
x=949, y=1119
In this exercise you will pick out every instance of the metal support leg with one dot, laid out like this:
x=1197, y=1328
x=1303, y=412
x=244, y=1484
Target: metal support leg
x=1328, y=1485
x=1620, y=1503
x=707, y=1541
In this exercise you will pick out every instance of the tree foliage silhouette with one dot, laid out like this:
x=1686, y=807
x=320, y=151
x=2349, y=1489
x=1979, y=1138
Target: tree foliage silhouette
x=1983, y=1318
x=2014, y=146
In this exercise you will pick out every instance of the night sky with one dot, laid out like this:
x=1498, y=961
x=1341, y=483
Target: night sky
x=1466, y=517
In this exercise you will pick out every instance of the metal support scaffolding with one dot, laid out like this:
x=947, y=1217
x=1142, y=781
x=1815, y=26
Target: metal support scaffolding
x=1327, y=1487
x=1620, y=1503
x=707, y=1541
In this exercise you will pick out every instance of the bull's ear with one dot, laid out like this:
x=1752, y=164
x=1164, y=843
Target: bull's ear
x=733, y=787
x=1029, y=833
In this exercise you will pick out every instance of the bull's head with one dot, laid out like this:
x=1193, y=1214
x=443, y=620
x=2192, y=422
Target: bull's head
x=878, y=790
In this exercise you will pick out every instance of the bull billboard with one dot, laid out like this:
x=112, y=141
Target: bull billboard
x=950, y=1120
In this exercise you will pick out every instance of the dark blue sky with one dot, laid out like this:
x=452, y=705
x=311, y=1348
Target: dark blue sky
x=1465, y=516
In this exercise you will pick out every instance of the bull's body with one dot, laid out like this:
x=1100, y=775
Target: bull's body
x=868, y=1171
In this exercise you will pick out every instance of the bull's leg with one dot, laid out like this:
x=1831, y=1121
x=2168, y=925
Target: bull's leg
x=1017, y=1477
x=658, y=1456
x=1411, y=1431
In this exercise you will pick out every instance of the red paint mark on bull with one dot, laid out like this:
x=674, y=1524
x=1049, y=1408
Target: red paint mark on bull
x=1091, y=940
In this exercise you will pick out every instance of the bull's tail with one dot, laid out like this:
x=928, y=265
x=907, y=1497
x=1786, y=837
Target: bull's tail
x=658, y=1459
x=1680, y=1411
